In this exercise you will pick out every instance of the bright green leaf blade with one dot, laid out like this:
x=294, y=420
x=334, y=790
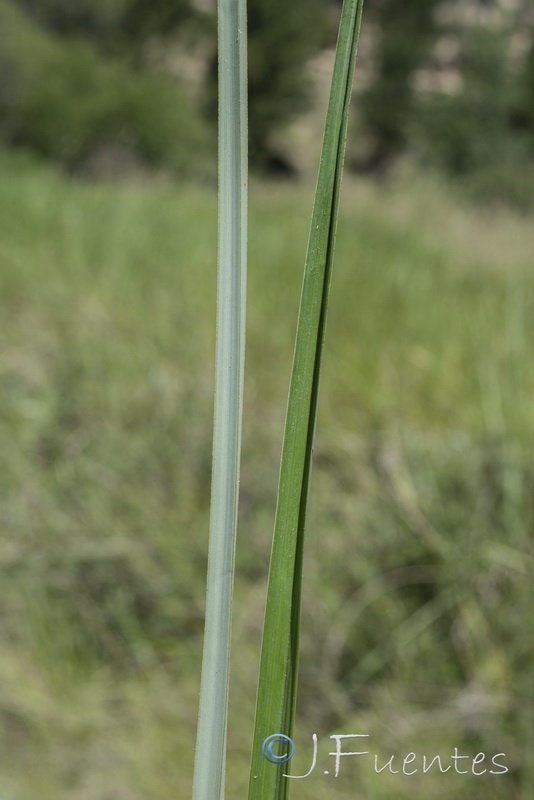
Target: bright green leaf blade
x=276, y=698
x=208, y=783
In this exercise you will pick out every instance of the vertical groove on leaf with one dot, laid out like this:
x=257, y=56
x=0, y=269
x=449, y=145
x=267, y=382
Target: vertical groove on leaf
x=208, y=782
x=277, y=685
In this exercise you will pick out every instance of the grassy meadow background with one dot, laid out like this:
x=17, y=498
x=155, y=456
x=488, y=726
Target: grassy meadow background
x=418, y=571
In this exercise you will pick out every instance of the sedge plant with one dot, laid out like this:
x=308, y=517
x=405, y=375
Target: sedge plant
x=277, y=688
x=208, y=781
x=277, y=685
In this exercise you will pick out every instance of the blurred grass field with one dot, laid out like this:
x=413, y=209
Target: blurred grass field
x=418, y=575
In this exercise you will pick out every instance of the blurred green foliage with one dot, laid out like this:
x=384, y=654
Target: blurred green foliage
x=137, y=80
x=66, y=101
x=111, y=22
x=406, y=31
x=479, y=131
x=471, y=128
x=527, y=96
x=77, y=75
x=283, y=36
x=470, y=115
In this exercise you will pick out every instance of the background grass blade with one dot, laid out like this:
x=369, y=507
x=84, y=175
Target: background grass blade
x=213, y=709
x=279, y=658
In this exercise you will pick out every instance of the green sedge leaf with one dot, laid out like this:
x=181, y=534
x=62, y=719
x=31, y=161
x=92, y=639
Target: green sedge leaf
x=277, y=687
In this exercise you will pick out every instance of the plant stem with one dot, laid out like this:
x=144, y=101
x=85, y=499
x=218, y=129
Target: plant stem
x=208, y=782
